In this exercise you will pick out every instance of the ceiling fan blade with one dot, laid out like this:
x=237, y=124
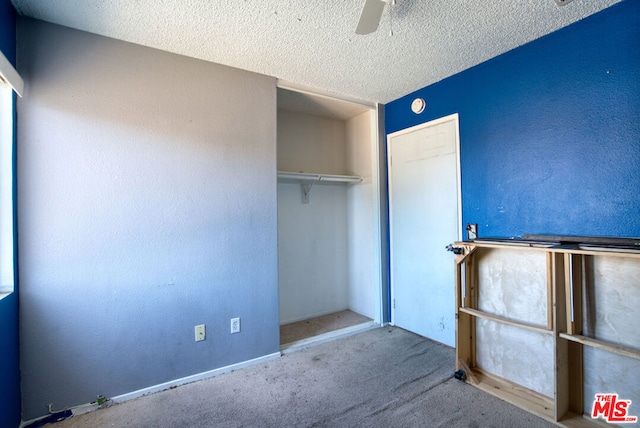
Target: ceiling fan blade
x=370, y=16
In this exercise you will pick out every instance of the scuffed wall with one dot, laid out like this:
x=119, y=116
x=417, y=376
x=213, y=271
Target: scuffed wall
x=147, y=205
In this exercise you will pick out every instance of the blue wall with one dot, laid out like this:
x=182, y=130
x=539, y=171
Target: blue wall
x=550, y=136
x=9, y=342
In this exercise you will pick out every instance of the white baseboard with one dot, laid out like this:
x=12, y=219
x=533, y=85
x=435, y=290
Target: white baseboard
x=313, y=315
x=193, y=378
x=88, y=407
x=326, y=337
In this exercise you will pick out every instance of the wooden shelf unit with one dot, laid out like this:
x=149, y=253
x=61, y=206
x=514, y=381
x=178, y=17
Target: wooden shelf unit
x=566, y=308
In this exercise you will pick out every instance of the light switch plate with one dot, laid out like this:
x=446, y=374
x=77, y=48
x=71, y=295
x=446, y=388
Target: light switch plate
x=472, y=231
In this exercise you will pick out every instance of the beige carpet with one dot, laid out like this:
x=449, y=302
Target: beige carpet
x=312, y=327
x=386, y=377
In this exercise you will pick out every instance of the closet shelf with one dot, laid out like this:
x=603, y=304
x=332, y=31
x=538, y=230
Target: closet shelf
x=301, y=177
x=307, y=180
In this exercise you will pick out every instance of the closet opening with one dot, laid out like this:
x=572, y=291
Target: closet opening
x=329, y=240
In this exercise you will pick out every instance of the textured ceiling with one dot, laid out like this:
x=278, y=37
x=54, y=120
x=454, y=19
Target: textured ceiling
x=312, y=43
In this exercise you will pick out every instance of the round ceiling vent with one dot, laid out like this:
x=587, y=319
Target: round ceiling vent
x=418, y=105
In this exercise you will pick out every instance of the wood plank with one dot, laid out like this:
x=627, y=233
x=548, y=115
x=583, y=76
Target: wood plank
x=601, y=344
x=562, y=379
x=576, y=420
x=594, y=240
x=473, y=300
x=457, y=273
x=486, y=316
x=559, y=294
x=587, y=250
x=562, y=350
x=578, y=263
x=573, y=383
x=463, y=323
x=568, y=284
x=598, y=251
x=471, y=377
x=515, y=394
x=575, y=377
x=550, y=291
x=468, y=251
x=520, y=245
x=589, y=315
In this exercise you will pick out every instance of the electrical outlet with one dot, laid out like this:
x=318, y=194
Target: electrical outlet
x=200, y=333
x=235, y=325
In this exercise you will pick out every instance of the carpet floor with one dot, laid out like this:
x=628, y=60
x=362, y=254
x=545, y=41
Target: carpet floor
x=386, y=377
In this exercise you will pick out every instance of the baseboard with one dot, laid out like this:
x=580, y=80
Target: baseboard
x=314, y=315
x=88, y=407
x=193, y=378
x=327, y=337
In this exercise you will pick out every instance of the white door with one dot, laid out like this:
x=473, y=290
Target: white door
x=424, y=219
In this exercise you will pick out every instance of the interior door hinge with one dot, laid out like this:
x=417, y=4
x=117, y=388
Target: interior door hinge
x=394, y=303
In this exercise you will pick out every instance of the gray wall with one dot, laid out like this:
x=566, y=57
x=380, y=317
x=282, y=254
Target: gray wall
x=147, y=205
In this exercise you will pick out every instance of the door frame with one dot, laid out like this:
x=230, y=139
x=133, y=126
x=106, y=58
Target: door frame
x=456, y=119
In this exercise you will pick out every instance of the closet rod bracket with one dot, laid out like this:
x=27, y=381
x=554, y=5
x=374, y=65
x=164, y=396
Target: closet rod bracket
x=306, y=188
